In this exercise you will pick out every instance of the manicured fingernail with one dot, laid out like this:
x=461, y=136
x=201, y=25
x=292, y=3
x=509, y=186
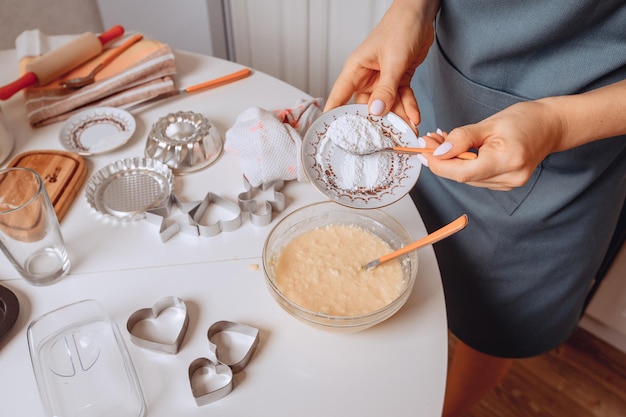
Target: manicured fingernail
x=377, y=107
x=439, y=131
x=421, y=143
x=442, y=149
x=423, y=160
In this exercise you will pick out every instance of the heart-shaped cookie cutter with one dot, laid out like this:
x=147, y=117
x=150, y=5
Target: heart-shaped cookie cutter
x=237, y=341
x=194, y=213
x=232, y=345
x=209, y=381
x=261, y=215
x=153, y=328
x=207, y=230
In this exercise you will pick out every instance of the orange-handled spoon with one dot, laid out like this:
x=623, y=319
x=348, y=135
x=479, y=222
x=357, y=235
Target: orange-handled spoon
x=76, y=83
x=435, y=236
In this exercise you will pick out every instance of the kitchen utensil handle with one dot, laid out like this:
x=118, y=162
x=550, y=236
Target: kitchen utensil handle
x=123, y=47
x=434, y=237
x=113, y=33
x=462, y=155
x=27, y=80
x=237, y=75
x=49, y=66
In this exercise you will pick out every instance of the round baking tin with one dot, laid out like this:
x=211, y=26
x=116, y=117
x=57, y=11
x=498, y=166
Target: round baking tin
x=126, y=189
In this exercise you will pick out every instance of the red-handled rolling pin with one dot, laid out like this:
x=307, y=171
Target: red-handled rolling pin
x=55, y=63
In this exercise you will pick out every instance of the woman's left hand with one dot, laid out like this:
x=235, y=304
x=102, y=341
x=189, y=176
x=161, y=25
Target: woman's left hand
x=511, y=144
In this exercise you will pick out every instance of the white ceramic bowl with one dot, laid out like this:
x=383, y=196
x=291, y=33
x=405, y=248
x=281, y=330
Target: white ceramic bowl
x=329, y=213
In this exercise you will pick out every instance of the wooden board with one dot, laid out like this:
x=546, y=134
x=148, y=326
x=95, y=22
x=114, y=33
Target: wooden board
x=63, y=174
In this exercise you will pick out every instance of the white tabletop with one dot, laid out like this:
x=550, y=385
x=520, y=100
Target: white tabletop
x=397, y=367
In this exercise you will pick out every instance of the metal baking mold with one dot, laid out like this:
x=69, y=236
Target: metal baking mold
x=185, y=141
x=209, y=381
x=233, y=344
x=161, y=327
x=261, y=215
x=128, y=188
x=211, y=229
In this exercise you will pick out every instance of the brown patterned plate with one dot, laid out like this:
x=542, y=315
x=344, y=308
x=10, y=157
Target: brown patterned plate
x=366, y=181
x=97, y=130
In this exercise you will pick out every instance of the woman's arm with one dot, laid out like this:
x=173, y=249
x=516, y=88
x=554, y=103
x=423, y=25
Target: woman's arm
x=514, y=141
x=379, y=71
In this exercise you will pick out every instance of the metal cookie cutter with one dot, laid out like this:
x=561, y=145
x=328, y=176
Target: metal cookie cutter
x=233, y=343
x=232, y=346
x=262, y=216
x=197, y=213
x=169, y=227
x=209, y=381
x=162, y=327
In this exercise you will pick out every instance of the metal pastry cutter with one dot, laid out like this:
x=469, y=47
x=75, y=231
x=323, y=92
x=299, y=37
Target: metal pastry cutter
x=232, y=346
x=213, y=229
x=262, y=215
x=209, y=381
x=151, y=328
x=240, y=338
x=169, y=227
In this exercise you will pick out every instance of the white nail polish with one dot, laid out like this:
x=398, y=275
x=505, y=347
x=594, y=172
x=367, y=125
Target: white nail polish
x=442, y=149
x=439, y=131
x=423, y=160
x=421, y=143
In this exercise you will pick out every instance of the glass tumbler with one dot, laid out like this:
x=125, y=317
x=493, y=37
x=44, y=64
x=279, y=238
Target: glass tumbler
x=30, y=235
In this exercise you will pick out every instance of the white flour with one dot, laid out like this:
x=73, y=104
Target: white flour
x=356, y=134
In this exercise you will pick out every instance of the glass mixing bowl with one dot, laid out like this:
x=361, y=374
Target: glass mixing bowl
x=328, y=213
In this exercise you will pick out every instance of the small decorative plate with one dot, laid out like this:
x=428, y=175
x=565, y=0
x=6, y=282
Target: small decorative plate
x=369, y=181
x=126, y=189
x=97, y=130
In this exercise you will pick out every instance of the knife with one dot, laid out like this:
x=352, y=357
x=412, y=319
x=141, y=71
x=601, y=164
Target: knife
x=216, y=82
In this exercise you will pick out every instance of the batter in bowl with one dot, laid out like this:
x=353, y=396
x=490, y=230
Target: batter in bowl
x=322, y=270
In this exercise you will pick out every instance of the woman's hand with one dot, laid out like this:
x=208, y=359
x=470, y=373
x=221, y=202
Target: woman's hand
x=511, y=144
x=379, y=71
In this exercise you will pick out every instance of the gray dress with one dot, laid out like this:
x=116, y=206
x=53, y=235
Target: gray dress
x=516, y=278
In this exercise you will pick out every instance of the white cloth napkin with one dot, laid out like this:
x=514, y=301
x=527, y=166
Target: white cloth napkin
x=269, y=142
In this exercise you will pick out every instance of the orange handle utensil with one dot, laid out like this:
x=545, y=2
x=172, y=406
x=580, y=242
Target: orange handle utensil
x=435, y=236
x=462, y=155
x=216, y=82
x=79, y=82
x=59, y=61
x=237, y=75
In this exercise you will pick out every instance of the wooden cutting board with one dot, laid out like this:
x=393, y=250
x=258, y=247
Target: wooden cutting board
x=63, y=174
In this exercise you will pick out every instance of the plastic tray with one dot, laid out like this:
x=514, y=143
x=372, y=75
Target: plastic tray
x=81, y=364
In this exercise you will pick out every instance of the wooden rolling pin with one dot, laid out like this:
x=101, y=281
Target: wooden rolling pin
x=55, y=63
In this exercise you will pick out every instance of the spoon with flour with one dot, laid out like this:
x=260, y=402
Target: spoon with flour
x=358, y=136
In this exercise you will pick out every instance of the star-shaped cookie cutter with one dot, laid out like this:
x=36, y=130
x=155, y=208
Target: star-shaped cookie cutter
x=194, y=211
x=261, y=215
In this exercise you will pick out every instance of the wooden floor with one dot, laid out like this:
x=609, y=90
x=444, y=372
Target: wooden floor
x=585, y=377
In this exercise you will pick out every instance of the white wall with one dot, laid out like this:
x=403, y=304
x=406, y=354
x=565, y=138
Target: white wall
x=303, y=42
x=53, y=17
x=192, y=25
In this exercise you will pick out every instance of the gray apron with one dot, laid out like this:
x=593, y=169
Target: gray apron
x=515, y=280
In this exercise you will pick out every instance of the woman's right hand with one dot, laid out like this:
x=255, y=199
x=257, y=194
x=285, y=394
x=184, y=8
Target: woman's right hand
x=379, y=71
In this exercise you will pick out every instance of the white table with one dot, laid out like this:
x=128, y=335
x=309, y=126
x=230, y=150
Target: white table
x=396, y=368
